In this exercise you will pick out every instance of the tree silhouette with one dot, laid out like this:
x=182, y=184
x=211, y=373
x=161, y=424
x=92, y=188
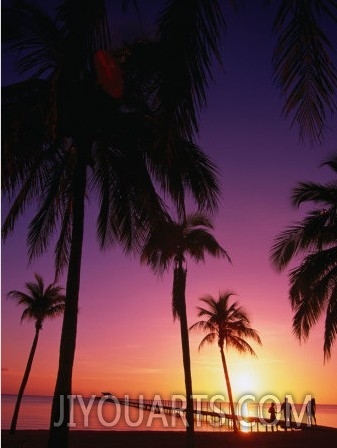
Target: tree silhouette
x=66, y=139
x=40, y=303
x=303, y=64
x=313, y=282
x=167, y=246
x=227, y=324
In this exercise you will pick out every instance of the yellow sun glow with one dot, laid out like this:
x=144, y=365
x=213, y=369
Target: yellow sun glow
x=244, y=383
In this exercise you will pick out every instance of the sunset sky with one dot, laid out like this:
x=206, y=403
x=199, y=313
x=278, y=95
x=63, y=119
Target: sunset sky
x=127, y=341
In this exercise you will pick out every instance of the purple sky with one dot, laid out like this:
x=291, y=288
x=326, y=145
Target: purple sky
x=125, y=332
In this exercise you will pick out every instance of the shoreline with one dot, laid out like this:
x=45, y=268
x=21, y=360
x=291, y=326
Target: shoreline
x=166, y=439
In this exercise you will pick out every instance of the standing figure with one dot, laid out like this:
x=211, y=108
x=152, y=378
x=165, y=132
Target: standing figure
x=272, y=412
x=286, y=408
x=311, y=412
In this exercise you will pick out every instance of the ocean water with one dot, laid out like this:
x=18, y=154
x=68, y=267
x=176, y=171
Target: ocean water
x=93, y=415
x=89, y=414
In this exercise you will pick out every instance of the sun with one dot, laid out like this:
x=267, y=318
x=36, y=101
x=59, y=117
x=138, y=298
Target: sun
x=244, y=383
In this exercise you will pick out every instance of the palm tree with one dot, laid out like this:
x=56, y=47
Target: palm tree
x=228, y=324
x=168, y=246
x=63, y=134
x=313, y=288
x=40, y=303
x=66, y=138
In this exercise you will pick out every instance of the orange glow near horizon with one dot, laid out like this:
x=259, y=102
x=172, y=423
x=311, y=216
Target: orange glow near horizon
x=143, y=357
x=136, y=355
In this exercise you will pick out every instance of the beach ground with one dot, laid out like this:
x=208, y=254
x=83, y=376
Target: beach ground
x=313, y=438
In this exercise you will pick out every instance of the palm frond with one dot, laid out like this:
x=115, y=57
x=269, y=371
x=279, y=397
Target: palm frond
x=159, y=249
x=315, y=275
x=28, y=315
x=312, y=287
x=225, y=322
x=170, y=240
x=331, y=162
x=324, y=195
x=203, y=325
x=303, y=65
x=199, y=242
x=23, y=132
x=190, y=34
x=20, y=297
x=135, y=205
x=55, y=311
x=33, y=35
x=52, y=202
x=86, y=31
x=309, y=234
x=330, y=331
x=183, y=170
x=307, y=313
x=63, y=244
x=240, y=345
x=313, y=281
x=210, y=311
x=208, y=339
x=40, y=302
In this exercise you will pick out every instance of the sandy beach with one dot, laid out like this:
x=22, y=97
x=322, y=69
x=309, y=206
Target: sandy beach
x=312, y=438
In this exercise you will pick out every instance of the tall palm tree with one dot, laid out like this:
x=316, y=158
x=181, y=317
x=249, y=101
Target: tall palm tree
x=167, y=246
x=67, y=138
x=40, y=303
x=313, y=289
x=228, y=324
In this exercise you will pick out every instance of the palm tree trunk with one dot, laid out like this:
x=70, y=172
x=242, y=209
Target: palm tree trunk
x=229, y=389
x=24, y=381
x=188, y=379
x=58, y=435
x=180, y=303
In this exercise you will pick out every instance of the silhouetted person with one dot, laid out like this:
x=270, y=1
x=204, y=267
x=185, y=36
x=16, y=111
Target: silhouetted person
x=311, y=412
x=287, y=410
x=272, y=412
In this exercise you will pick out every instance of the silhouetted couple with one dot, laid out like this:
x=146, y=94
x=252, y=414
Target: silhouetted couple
x=286, y=409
